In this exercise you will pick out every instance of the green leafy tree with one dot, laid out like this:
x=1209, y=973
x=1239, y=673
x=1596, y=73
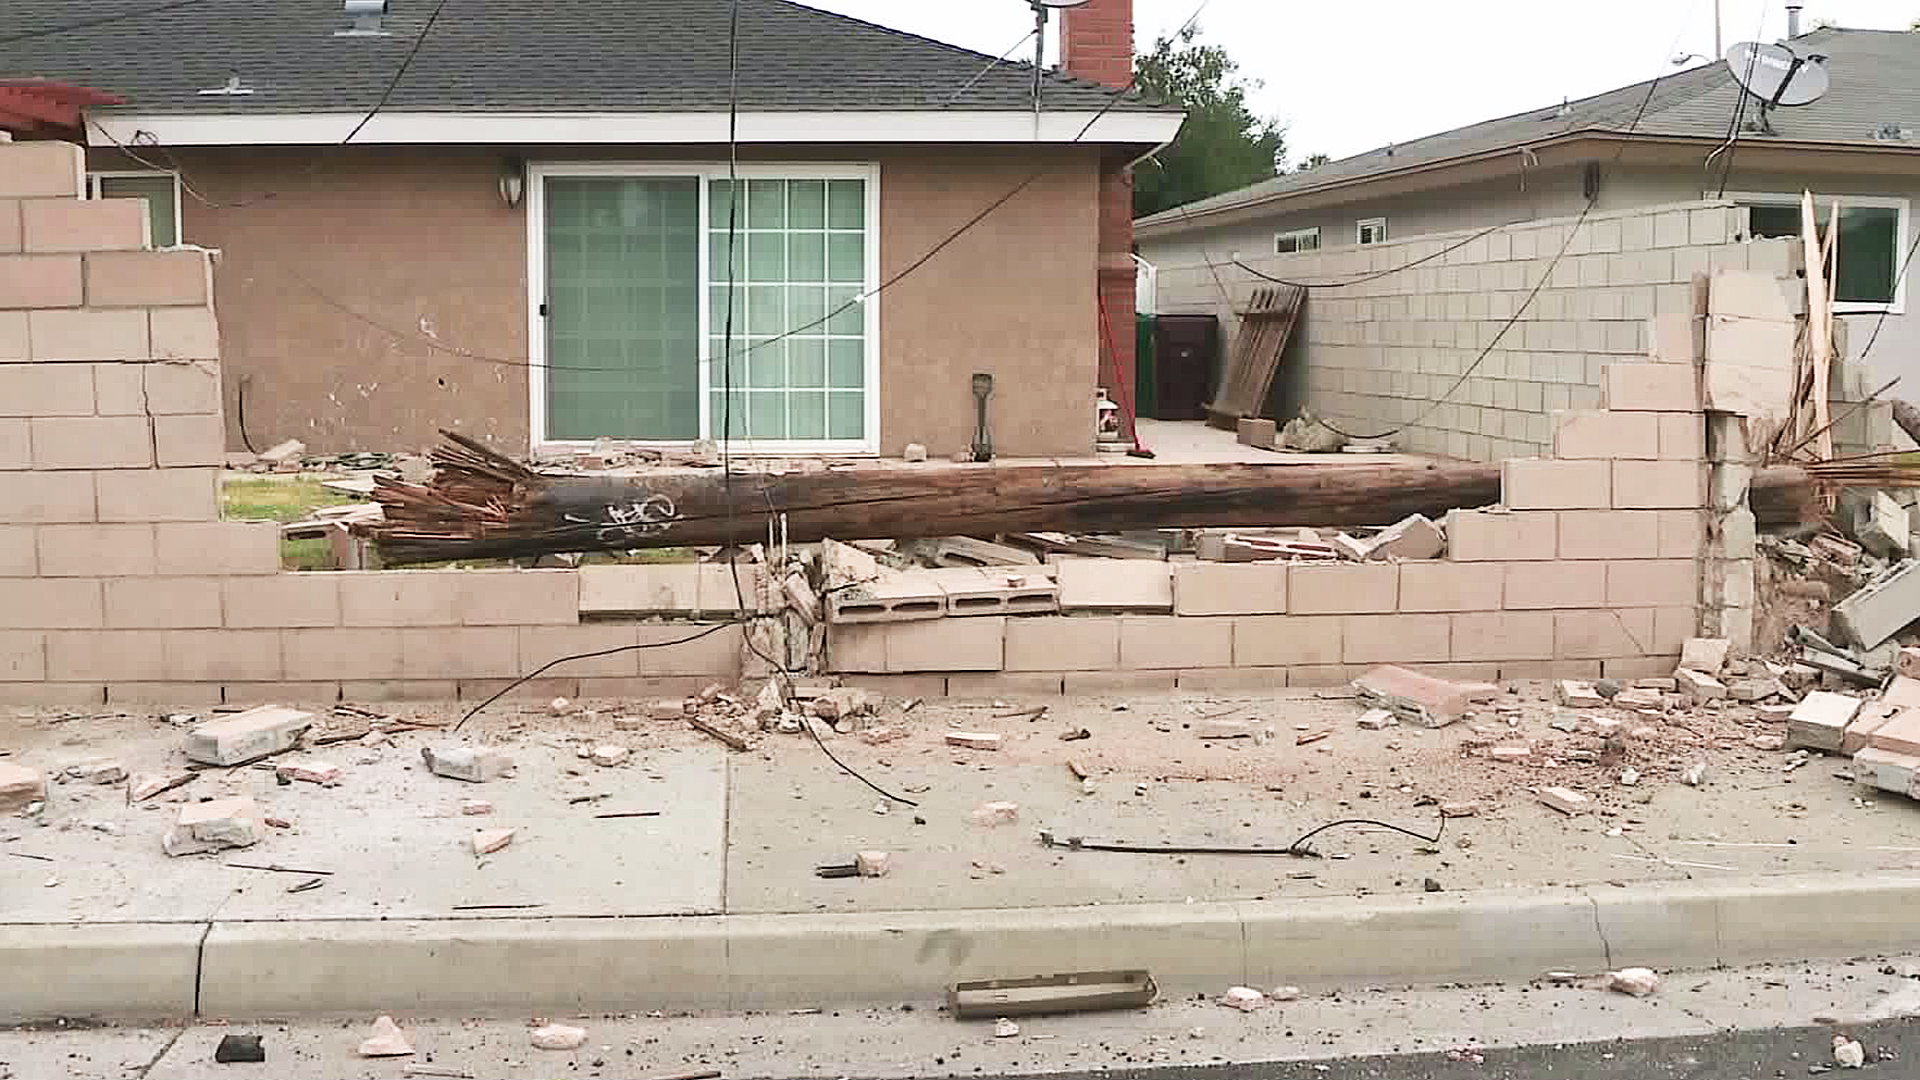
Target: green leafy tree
x=1223, y=146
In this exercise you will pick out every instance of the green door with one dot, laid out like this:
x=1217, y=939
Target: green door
x=623, y=308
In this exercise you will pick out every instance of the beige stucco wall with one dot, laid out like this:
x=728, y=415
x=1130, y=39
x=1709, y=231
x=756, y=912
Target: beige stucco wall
x=371, y=296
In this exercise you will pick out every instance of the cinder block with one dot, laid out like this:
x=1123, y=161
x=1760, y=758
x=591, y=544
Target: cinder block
x=1173, y=641
x=158, y=495
x=185, y=333
x=182, y=387
x=683, y=686
x=1446, y=586
x=1538, y=484
x=542, y=689
x=459, y=653
x=18, y=551
x=1333, y=589
x=1683, y=436
x=1252, y=431
x=1503, y=636
x=1127, y=683
x=46, y=390
x=694, y=649
x=1532, y=586
x=76, y=334
x=1749, y=367
x=223, y=655
x=283, y=600
x=13, y=336
x=155, y=603
x=235, y=739
x=541, y=645
x=42, y=169
x=148, y=278
x=1683, y=534
x=16, y=446
x=519, y=597
x=997, y=684
x=1660, y=485
x=1653, y=583
x=358, y=653
x=23, y=656
x=84, y=225
x=1230, y=680
x=216, y=548
x=1320, y=675
x=1609, y=534
x=1115, y=585
x=1602, y=433
x=1653, y=387
x=9, y=225
x=92, y=442
x=1676, y=337
x=52, y=695
x=400, y=598
x=1377, y=639
x=117, y=388
x=862, y=647
x=51, y=603
x=1057, y=643
x=30, y=498
x=976, y=644
x=165, y=695
x=996, y=590
x=106, y=656
x=1212, y=588
x=1597, y=635
x=1287, y=640
x=189, y=440
x=321, y=694
x=96, y=551
x=40, y=281
x=640, y=588
x=1638, y=667
x=399, y=690
x=1873, y=613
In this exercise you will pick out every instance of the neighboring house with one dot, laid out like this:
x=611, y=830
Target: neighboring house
x=545, y=188
x=1860, y=143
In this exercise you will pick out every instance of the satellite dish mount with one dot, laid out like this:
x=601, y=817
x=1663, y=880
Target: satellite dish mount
x=1777, y=75
x=1041, y=10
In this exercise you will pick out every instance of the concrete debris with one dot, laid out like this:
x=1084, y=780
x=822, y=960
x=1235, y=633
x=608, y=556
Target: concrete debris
x=873, y=863
x=1768, y=742
x=1755, y=690
x=842, y=703
x=488, y=841
x=1705, y=655
x=609, y=755
x=1699, y=685
x=1459, y=809
x=1004, y=1028
x=1637, y=698
x=474, y=764
x=20, y=787
x=475, y=807
x=995, y=813
x=674, y=708
x=1604, y=726
x=1664, y=684
x=1695, y=774
x=1820, y=721
x=1848, y=1053
x=1510, y=753
x=1873, y=716
x=1308, y=435
x=1414, y=537
x=210, y=826
x=559, y=1037
x=1419, y=699
x=309, y=770
x=1285, y=993
x=1880, y=608
x=142, y=787
x=1376, y=720
x=1566, y=800
x=97, y=771
x=290, y=451
x=1902, y=692
x=913, y=453
x=1564, y=721
x=1223, y=728
x=1244, y=998
x=1637, y=981
x=231, y=740
x=974, y=740
x=1907, y=662
x=386, y=1040
x=1883, y=527
x=559, y=707
x=1887, y=770
x=1629, y=777
x=239, y=1049
x=882, y=733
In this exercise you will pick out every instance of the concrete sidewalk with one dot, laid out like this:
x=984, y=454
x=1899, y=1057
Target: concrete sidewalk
x=1670, y=873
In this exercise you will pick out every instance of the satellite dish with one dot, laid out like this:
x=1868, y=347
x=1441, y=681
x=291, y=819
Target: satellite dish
x=1058, y=3
x=1776, y=74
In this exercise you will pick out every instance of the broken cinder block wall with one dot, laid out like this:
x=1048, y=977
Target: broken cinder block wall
x=120, y=583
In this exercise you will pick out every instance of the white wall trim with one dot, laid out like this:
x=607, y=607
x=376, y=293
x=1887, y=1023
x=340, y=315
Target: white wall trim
x=1902, y=232
x=705, y=171
x=397, y=128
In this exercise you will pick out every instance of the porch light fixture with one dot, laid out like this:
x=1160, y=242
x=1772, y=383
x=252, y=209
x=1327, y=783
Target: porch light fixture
x=513, y=180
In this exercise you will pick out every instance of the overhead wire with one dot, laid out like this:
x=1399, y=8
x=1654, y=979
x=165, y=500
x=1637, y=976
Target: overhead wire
x=97, y=20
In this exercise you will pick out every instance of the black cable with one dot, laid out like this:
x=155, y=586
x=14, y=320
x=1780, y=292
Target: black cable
x=543, y=668
x=82, y=24
x=1298, y=848
x=240, y=407
x=1377, y=275
x=848, y=769
x=1740, y=105
x=1898, y=278
x=1001, y=59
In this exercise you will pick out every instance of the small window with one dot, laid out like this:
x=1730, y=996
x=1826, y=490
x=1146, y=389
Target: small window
x=1870, y=246
x=1371, y=231
x=160, y=189
x=1287, y=243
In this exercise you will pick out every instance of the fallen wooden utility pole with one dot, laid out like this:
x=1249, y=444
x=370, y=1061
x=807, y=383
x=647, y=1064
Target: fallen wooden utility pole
x=484, y=505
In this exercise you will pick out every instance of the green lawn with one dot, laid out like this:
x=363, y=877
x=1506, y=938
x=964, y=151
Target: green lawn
x=284, y=501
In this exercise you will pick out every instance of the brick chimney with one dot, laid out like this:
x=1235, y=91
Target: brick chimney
x=1096, y=43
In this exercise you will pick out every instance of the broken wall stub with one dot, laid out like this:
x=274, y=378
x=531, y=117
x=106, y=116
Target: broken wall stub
x=120, y=582
x=1379, y=354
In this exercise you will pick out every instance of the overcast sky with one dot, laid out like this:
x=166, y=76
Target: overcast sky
x=1348, y=75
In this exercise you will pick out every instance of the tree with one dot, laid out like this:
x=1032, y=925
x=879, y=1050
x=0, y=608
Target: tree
x=1313, y=161
x=1223, y=146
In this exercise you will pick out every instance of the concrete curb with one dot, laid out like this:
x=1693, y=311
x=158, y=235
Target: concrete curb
x=739, y=962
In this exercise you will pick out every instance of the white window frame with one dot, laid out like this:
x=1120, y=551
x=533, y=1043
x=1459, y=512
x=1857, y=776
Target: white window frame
x=706, y=172
x=1360, y=231
x=1296, y=235
x=1900, y=239
x=179, y=224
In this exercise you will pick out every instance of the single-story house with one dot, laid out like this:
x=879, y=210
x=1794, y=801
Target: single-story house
x=512, y=219
x=1860, y=142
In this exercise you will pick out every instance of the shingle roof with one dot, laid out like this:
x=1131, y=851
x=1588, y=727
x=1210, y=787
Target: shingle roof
x=515, y=56
x=1875, y=77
